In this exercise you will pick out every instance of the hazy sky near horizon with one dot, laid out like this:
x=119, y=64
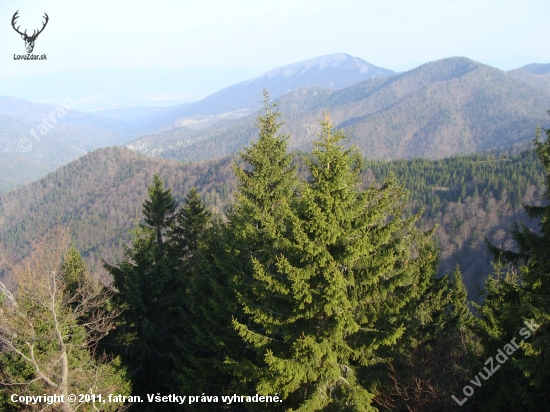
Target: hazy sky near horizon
x=262, y=34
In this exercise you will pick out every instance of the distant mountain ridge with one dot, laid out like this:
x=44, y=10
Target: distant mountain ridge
x=331, y=71
x=449, y=106
x=15, y=107
x=536, y=68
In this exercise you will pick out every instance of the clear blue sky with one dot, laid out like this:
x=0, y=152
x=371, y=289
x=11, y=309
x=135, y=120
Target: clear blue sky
x=265, y=34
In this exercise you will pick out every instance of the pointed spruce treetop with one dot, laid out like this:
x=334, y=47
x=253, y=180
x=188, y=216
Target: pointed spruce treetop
x=159, y=209
x=269, y=161
x=189, y=225
x=459, y=312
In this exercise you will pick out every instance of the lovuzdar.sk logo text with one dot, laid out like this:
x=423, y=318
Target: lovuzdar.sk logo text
x=29, y=40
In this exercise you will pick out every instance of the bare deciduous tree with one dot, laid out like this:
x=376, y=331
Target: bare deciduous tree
x=51, y=330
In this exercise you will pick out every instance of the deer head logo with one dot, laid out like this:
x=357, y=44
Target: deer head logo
x=29, y=40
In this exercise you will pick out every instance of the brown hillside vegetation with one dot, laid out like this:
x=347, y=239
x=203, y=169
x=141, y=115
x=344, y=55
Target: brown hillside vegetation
x=100, y=197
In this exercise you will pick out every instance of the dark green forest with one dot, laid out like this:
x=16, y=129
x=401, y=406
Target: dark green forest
x=295, y=281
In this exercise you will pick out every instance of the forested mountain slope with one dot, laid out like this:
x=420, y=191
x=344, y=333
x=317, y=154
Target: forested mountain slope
x=100, y=195
x=18, y=169
x=469, y=197
x=536, y=74
x=446, y=107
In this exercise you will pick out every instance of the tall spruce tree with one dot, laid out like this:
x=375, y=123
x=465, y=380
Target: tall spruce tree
x=224, y=261
x=265, y=188
x=520, y=302
x=459, y=315
x=49, y=331
x=146, y=281
x=159, y=209
x=337, y=288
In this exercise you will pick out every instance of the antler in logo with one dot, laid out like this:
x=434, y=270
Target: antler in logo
x=29, y=40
